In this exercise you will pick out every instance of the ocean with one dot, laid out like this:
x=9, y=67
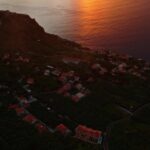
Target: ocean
x=118, y=25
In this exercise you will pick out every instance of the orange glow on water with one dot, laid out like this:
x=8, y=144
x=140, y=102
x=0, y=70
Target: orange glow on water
x=91, y=18
x=87, y=16
x=104, y=24
x=106, y=20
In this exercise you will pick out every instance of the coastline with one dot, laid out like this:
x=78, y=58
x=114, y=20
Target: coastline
x=66, y=82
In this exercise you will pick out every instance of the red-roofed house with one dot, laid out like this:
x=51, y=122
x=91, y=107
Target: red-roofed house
x=61, y=128
x=30, y=81
x=96, y=66
x=63, y=78
x=77, y=97
x=65, y=88
x=13, y=106
x=88, y=134
x=30, y=119
x=22, y=98
x=20, y=111
x=41, y=128
x=27, y=60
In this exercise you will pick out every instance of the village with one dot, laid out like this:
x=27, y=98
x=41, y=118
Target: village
x=68, y=81
x=68, y=84
x=57, y=94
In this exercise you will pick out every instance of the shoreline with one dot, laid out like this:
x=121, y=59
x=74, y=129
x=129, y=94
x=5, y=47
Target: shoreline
x=72, y=43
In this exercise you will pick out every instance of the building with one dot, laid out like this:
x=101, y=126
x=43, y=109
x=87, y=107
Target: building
x=30, y=119
x=56, y=73
x=96, y=66
x=69, y=60
x=30, y=81
x=20, y=111
x=102, y=71
x=78, y=86
x=122, y=67
x=41, y=128
x=47, y=72
x=64, y=88
x=62, y=129
x=77, y=97
x=63, y=78
x=89, y=135
x=13, y=106
x=50, y=67
x=71, y=73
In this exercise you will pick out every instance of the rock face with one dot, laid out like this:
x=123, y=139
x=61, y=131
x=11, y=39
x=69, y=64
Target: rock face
x=20, y=32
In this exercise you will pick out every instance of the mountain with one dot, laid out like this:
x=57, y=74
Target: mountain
x=50, y=87
x=23, y=33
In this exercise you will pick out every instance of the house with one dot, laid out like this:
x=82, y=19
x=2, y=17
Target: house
x=26, y=60
x=13, y=106
x=41, y=128
x=30, y=119
x=102, y=71
x=27, y=88
x=122, y=67
x=77, y=97
x=63, y=78
x=65, y=88
x=114, y=71
x=71, y=73
x=56, y=72
x=62, y=129
x=68, y=60
x=20, y=111
x=47, y=72
x=96, y=66
x=76, y=78
x=90, y=79
x=67, y=94
x=30, y=81
x=89, y=135
x=71, y=81
x=50, y=67
x=20, y=58
x=78, y=86
x=22, y=98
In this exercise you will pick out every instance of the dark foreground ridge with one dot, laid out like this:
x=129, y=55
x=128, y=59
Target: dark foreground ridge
x=55, y=94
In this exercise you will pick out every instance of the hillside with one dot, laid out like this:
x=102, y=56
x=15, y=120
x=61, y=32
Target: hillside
x=47, y=81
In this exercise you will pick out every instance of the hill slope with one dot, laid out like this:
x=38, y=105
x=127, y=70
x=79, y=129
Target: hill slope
x=59, y=81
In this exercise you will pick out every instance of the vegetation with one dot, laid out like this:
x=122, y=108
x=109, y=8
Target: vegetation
x=116, y=92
